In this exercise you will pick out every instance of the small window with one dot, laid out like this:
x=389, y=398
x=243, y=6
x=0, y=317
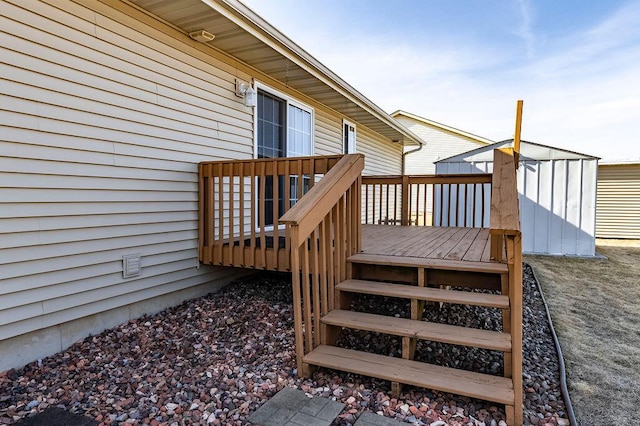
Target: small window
x=348, y=137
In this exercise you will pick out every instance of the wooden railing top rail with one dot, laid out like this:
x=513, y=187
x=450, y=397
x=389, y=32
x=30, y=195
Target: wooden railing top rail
x=505, y=216
x=320, y=199
x=429, y=179
x=321, y=164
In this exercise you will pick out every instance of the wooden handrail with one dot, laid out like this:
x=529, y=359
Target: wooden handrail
x=314, y=206
x=324, y=230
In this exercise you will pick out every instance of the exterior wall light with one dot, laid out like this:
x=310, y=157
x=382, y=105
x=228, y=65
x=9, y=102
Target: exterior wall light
x=246, y=91
x=202, y=36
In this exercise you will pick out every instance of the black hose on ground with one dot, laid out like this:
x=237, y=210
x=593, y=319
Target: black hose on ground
x=563, y=373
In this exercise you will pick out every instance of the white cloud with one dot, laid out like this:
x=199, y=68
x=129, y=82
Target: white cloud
x=525, y=31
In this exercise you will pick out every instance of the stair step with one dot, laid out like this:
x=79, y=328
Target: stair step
x=461, y=382
x=417, y=262
x=464, y=336
x=425, y=293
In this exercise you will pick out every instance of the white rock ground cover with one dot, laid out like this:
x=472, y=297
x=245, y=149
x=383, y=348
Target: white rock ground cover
x=215, y=359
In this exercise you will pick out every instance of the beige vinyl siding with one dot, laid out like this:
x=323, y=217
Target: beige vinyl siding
x=101, y=130
x=618, y=202
x=328, y=133
x=440, y=144
x=103, y=120
x=382, y=157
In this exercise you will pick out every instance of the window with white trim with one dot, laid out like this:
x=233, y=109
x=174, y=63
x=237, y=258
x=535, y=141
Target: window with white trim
x=284, y=129
x=348, y=137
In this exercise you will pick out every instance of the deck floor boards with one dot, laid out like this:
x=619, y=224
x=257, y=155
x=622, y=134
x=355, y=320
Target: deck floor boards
x=427, y=242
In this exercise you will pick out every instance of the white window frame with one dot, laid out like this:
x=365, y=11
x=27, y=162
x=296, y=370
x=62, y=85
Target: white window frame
x=288, y=101
x=346, y=123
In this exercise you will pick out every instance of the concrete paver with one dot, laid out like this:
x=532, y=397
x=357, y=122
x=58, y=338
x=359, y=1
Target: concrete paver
x=371, y=419
x=292, y=407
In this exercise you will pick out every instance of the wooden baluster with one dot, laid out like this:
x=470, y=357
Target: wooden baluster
x=358, y=194
x=231, y=214
x=315, y=282
x=395, y=204
x=312, y=172
x=261, y=214
x=473, y=204
x=380, y=218
x=253, y=219
x=366, y=203
x=220, y=213
x=300, y=177
x=483, y=219
x=417, y=185
x=306, y=297
x=329, y=248
x=210, y=225
x=241, y=235
x=464, y=206
x=276, y=214
x=373, y=203
x=322, y=265
x=424, y=205
x=297, y=307
x=441, y=195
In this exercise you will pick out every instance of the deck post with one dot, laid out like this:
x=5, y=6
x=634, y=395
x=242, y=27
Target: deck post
x=404, y=218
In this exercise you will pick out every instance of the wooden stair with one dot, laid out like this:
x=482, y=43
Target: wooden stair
x=406, y=370
x=422, y=330
x=424, y=293
x=414, y=373
x=417, y=262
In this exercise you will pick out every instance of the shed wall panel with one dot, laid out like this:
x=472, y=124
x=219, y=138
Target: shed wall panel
x=557, y=199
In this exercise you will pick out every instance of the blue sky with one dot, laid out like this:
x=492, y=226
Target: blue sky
x=465, y=63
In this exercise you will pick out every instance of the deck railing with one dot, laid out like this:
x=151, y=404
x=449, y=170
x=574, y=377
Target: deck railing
x=241, y=202
x=324, y=229
x=438, y=200
x=506, y=244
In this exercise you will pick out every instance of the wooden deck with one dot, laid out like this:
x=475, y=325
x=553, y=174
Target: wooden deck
x=427, y=242
x=337, y=248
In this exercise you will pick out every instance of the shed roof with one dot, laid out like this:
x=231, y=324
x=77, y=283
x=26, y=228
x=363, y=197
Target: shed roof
x=446, y=128
x=528, y=151
x=243, y=34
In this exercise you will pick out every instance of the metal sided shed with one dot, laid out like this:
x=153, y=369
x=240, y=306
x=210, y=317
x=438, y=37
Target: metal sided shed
x=618, y=208
x=557, y=190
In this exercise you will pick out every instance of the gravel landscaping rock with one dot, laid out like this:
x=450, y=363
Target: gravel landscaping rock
x=215, y=359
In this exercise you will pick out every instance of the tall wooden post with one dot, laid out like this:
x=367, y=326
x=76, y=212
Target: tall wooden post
x=516, y=137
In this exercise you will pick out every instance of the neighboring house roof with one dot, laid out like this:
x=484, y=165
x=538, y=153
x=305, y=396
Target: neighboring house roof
x=243, y=34
x=444, y=127
x=528, y=151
